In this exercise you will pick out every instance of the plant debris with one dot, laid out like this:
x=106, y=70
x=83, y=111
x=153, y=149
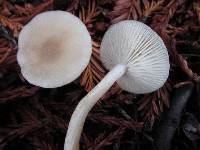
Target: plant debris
x=171, y=120
x=32, y=118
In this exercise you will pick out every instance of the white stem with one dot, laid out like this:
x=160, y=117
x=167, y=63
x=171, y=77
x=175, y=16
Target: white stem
x=85, y=105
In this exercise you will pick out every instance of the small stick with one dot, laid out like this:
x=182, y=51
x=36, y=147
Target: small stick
x=7, y=35
x=172, y=117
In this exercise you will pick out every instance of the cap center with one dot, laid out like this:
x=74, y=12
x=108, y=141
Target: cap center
x=49, y=51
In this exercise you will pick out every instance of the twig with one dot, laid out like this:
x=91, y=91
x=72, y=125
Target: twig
x=171, y=120
x=8, y=36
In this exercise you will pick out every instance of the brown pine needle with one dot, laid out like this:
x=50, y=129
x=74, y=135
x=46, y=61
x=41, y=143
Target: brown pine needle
x=12, y=25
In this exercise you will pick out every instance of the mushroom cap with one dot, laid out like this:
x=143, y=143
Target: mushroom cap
x=53, y=49
x=143, y=52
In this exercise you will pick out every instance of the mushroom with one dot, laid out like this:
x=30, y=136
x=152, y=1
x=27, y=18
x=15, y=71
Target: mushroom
x=54, y=49
x=137, y=59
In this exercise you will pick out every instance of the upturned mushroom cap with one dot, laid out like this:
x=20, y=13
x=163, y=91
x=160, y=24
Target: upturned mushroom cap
x=143, y=52
x=54, y=49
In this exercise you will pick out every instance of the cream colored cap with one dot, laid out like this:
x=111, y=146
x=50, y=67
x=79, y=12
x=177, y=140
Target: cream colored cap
x=54, y=49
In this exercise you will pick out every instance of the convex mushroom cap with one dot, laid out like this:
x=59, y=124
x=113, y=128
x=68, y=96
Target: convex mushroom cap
x=137, y=46
x=137, y=59
x=54, y=49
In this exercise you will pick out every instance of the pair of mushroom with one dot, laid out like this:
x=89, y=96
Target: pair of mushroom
x=55, y=47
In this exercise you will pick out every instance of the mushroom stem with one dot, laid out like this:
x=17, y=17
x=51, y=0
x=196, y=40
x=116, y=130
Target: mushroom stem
x=85, y=105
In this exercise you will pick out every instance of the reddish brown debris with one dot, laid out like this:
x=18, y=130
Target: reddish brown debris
x=37, y=119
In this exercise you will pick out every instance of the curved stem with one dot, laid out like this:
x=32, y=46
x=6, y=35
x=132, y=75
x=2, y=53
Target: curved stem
x=85, y=105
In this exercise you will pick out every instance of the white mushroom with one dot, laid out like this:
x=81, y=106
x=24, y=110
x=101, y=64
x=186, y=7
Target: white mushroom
x=139, y=62
x=54, y=49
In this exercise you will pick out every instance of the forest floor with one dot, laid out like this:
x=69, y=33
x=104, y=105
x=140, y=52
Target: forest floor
x=33, y=118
